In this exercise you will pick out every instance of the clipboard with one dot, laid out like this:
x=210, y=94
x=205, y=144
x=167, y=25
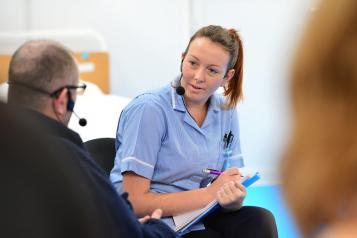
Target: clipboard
x=188, y=219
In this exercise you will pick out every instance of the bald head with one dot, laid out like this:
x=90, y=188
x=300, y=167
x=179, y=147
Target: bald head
x=37, y=67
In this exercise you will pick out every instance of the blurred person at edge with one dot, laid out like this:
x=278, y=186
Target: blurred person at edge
x=319, y=171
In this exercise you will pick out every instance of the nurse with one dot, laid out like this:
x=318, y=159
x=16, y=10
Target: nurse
x=166, y=137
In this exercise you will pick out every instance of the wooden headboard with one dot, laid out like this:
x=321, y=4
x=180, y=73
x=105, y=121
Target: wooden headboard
x=94, y=67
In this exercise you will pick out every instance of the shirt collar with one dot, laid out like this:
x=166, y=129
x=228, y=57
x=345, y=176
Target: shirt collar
x=215, y=103
x=177, y=101
x=54, y=128
x=178, y=104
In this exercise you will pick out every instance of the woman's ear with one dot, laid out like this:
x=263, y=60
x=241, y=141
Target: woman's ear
x=60, y=103
x=182, y=58
x=228, y=77
x=183, y=54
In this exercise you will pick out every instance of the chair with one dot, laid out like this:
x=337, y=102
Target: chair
x=103, y=152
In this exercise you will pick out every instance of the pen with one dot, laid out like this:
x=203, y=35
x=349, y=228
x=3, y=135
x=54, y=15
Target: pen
x=229, y=139
x=212, y=171
x=225, y=144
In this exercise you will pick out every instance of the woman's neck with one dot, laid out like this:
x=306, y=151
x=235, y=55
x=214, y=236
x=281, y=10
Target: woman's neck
x=198, y=112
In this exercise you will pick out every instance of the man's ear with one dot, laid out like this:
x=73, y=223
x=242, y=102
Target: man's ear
x=60, y=103
x=228, y=77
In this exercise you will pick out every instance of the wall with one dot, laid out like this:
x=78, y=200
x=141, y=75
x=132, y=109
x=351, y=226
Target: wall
x=270, y=31
x=145, y=40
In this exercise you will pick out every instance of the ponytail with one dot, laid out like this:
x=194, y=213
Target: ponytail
x=234, y=90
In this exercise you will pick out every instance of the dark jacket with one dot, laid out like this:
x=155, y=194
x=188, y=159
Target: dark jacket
x=121, y=221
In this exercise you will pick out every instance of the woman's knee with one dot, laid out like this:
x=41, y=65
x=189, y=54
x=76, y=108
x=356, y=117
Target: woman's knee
x=248, y=221
x=263, y=219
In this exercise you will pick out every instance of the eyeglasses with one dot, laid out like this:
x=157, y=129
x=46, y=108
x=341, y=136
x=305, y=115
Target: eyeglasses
x=79, y=89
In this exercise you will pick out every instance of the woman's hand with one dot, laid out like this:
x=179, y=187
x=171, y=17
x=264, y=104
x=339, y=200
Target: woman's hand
x=155, y=215
x=231, y=195
x=229, y=175
x=228, y=189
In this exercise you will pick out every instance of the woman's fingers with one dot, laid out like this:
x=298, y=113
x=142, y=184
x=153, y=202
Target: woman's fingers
x=231, y=195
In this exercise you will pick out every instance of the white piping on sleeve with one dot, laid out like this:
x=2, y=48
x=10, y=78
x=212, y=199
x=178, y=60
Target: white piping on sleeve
x=137, y=160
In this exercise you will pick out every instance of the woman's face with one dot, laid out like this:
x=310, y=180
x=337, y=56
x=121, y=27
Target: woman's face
x=203, y=70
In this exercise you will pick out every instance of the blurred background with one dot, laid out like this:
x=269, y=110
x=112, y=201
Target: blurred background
x=144, y=41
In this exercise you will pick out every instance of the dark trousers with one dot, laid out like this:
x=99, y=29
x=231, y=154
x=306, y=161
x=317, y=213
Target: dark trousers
x=247, y=222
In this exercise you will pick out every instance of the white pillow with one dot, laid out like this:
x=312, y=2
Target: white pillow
x=101, y=112
x=3, y=91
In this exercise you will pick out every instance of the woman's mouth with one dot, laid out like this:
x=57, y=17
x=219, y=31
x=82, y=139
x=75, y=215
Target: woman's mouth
x=196, y=88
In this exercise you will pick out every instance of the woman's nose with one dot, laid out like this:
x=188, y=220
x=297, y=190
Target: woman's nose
x=200, y=75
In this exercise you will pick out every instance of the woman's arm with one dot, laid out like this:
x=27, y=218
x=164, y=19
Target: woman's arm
x=145, y=202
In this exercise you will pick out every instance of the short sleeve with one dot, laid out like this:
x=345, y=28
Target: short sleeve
x=140, y=132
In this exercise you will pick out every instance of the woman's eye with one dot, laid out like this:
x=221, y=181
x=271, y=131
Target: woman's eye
x=193, y=63
x=213, y=71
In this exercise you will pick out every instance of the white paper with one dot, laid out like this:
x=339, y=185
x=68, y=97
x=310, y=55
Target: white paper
x=186, y=218
x=86, y=67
